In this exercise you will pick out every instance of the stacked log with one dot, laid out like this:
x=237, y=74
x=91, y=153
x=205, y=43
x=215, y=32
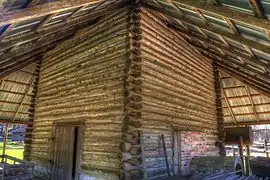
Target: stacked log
x=131, y=140
x=83, y=79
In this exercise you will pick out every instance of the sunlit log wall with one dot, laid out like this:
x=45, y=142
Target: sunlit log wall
x=132, y=79
x=83, y=79
x=177, y=91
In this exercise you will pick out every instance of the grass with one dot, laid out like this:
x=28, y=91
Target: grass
x=13, y=149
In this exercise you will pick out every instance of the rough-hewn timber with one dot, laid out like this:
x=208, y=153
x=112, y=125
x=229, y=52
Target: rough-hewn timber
x=177, y=91
x=131, y=80
x=83, y=79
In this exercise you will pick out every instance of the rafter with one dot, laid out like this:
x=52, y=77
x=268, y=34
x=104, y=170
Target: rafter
x=14, y=103
x=243, y=96
x=245, y=105
x=248, y=123
x=201, y=6
x=43, y=10
x=223, y=11
x=16, y=122
x=51, y=32
x=174, y=6
x=249, y=114
x=256, y=7
x=223, y=54
x=21, y=64
x=229, y=106
x=231, y=25
x=18, y=52
x=245, y=78
x=251, y=102
x=24, y=96
x=251, y=58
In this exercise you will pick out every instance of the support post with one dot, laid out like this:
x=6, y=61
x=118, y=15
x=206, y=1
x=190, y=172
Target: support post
x=5, y=141
x=233, y=150
x=266, y=149
x=240, y=152
x=166, y=155
x=248, y=173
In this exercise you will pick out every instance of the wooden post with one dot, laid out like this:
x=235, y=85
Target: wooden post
x=5, y=141
x=248, y=173
x=240, y=152
x=266, y=149
x=166, y=155
x=233, y=150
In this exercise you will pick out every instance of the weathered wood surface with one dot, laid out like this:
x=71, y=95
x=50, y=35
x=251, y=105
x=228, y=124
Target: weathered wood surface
x=177, y=91
x=18, y=170
x=83, y=79
x=126, y=74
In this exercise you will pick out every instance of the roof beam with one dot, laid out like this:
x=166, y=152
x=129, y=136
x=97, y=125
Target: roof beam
x=240, y=39
x=225, y=58
x=239, y=75
x=252, y=103
x=44, y=32
x=37, y=44
x=15, y=103
x=225, y=47
x=24, y=96
x=28, y=58
x=229, y=106
x=245, y=105
x=243, y=96
x=16, y=122
x=257, y=8
x=249, y=114
x=248, y=123
x=224, y=11
x=43, y=10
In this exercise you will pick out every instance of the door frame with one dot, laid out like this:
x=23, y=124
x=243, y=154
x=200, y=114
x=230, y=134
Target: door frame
x=68, y=123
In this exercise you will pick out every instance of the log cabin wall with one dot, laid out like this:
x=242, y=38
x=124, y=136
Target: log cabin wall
x=177, y=91
x=131, y=79
x=83, y=79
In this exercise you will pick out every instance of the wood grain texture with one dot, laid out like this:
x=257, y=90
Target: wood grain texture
x=177, y=91
x=82, y=79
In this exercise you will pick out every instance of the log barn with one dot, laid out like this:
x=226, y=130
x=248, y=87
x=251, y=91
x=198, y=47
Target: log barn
x=131, y=89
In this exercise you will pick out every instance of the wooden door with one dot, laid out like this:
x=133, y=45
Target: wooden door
x=63, y=154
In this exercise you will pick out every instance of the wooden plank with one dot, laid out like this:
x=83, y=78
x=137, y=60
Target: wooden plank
x=5, y=141
x=221, y=11
x=32, y=80
x=240, y=152
x=248, y=169
x=251, y=102
x=257, y=8
x=165, y=155
x=43, y=10
x=229, y=106
x=243, y=40
x=244, y=123
x=251, y=58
